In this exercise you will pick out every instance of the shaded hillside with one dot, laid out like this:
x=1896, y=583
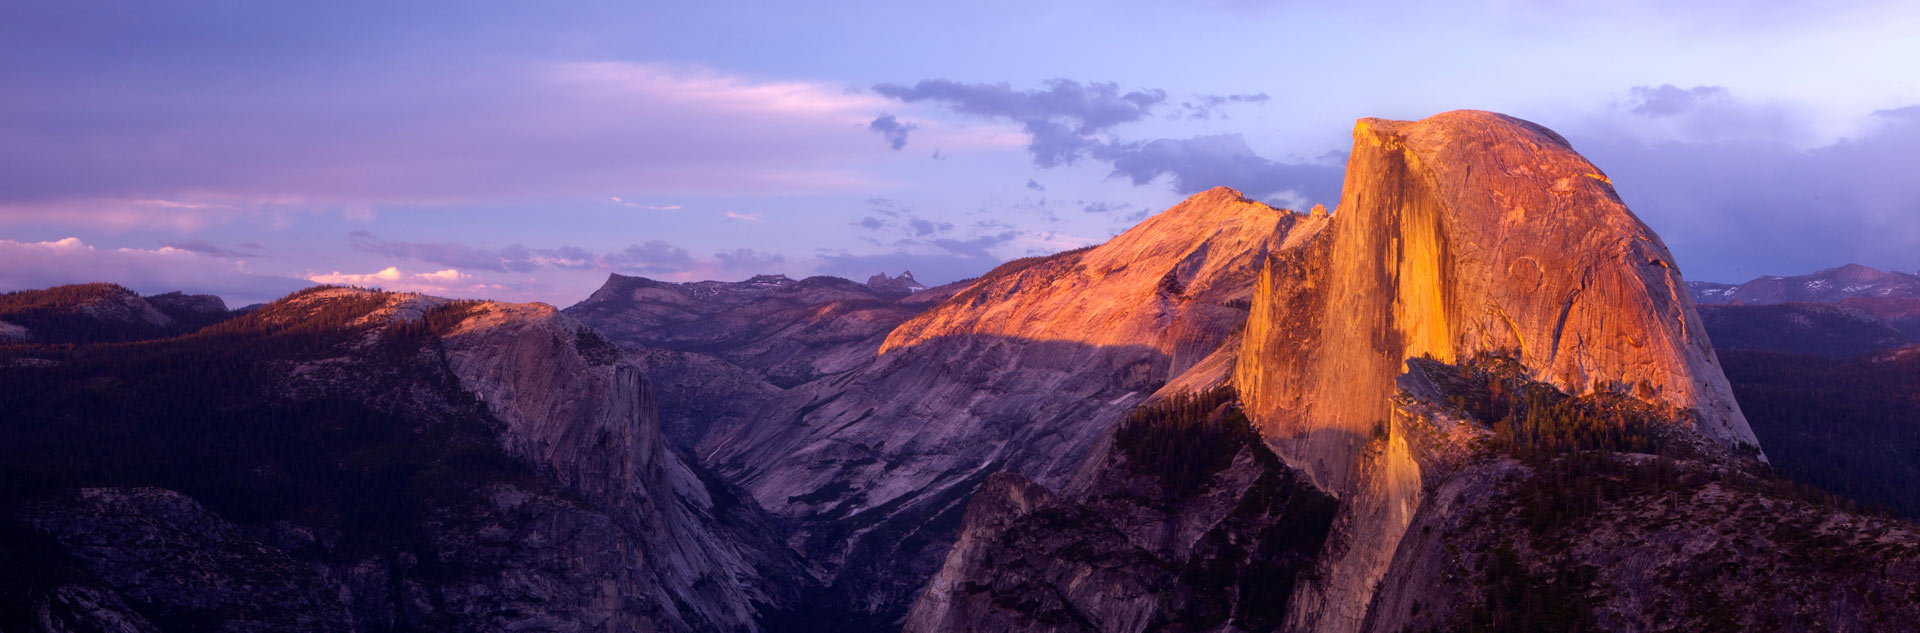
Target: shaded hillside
x=1850, y=426
x=1184, y=522
x=1832, y=331
x=345, y=460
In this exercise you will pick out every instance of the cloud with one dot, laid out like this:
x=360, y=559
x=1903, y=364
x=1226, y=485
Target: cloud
x=151, y=271
x=1733, y=207
x=923, y=227
x=168, y=151
x=205, y=248
x=1102, y=208
x=654, y=256
x=749, y=260
x=749, y=217
x=652, y=207
x=1669, y=100
x=1207, y=107
x=893, y=130
x=391, y=277
x=932, y=261
x=1061, y=118
x=1203, y=162
x=1035, y=185
x=511, y=259
x=1068, y=120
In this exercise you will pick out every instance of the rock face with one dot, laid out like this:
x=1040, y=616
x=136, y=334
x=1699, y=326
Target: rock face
x=1022, y=371
x=1467, y=232
x=1826, y=286
x=1464, y=233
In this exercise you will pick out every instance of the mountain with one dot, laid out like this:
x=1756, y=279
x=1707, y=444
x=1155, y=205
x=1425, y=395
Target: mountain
x=1826, y=286
x=1488, y=365
x=354, y=460
x=101, y=312
x=905, y=283
x=1476, y=397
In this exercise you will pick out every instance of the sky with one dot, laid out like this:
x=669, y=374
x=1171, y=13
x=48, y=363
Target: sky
x=524, y=151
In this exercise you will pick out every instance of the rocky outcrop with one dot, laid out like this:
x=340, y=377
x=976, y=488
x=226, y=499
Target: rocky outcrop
x=1461, y=233
x=1628, y=541
x=904, y=284
x=1128, y=547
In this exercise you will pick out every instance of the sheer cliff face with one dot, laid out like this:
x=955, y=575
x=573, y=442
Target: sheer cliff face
x=1465, y=232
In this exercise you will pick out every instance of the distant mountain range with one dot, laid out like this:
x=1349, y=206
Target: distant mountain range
x=1474, y=399
x=1826, y=286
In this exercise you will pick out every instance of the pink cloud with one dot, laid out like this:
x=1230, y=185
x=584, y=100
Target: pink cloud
x=448, y=281
x=542, y=132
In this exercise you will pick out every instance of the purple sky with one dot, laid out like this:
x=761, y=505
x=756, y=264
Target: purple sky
x=520, y=151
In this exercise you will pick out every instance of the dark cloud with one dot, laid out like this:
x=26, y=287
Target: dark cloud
x=933, y=261
x=1203, y=162
x=747, y=260
x=1103, y=208
x=871, y=223
x=206, y=248
x=1069, y=120
x=1668, y=100
x=893, y=130
x=1062, y=118
x=1734, y=209
x=653, y=257
x=923, y=227
x=1035, y=185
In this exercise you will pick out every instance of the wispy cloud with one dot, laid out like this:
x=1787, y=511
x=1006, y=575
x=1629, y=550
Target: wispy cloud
x=151, y=271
